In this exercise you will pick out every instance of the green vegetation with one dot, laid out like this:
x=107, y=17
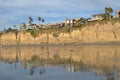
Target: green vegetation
x=109, y=10
x=39, y=19
x=55, y=34
x=33, y=32
x=30, y=20
x=23, y=26
x=34, y=58
x=43, y=20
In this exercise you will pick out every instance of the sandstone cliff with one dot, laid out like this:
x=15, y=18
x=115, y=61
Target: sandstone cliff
x=89, y=34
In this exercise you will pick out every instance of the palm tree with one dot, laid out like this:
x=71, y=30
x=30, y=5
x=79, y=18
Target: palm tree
x=39, y=19
x=31, y=71
x=24, y=25
x=30, y=20
x=14, y=26
x=4, y=29
x=69, y=22
x=73, y=21
x=109, y=11
x=43, y=20
x=106, y=9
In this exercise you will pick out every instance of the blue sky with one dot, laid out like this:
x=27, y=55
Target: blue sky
x=13, y=12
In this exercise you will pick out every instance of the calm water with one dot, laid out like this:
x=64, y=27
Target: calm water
x=60, y=63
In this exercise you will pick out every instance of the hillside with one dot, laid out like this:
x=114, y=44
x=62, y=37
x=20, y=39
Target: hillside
x=98, y=33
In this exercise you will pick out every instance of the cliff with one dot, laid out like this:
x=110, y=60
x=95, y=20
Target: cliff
x=104, y=33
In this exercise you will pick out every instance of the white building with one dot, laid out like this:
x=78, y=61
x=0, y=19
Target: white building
x=117, y=13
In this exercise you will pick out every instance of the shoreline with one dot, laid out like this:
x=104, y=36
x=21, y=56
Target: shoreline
x=66, y=44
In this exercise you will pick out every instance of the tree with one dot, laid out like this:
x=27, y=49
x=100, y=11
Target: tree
x=22, y=26
x=30, y=20
x=43, y=20
x=14, y=26
x=39, y=19
x=69, y=22
x=109, y=11
x=73, y=21
x=4, y=29
x=106, y=9
x=31, y=71
x=9, y=29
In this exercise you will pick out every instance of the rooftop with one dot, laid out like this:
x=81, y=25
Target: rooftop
x=101, y=14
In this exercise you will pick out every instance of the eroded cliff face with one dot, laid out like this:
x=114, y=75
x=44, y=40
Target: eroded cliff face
x=90, y=34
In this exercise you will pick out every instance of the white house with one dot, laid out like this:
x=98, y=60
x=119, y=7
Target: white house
x=101, y=16
x=117, y=13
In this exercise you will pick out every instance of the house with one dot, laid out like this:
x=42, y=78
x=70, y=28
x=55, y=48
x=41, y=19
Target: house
x=117, y=13
x=70, y=22
x=102, y=16
x=62, y=24
x=75, y=22
x=67, y=22
x=41, y=26
x=24, y=26
x=56, y=25
x=84, y=21
x=33, y=26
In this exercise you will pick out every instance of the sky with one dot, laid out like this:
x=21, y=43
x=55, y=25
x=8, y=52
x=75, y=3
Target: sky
x=13, y=12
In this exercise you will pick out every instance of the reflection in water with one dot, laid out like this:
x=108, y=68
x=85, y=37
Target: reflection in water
x=110, y=77
x=31, y=71
x=102, y=60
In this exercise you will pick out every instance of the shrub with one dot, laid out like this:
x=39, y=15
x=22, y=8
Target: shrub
x=33, y=32
x=55, y=34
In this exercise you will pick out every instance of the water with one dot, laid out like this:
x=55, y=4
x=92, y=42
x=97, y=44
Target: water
x=101, y=62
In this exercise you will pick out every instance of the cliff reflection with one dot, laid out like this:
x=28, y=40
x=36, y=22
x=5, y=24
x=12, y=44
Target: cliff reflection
x=99, y=59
